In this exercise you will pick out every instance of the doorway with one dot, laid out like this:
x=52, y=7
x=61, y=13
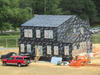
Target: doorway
x=38, y=50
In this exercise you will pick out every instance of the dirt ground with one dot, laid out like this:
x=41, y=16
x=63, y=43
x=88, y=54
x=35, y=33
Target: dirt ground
x=46, y=68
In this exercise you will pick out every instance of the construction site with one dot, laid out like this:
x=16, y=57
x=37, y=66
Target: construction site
x=47, y=68
x=51, y=45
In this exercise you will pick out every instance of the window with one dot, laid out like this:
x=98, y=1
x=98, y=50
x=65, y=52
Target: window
x=28, y=48
x=48, y=34
x=38, y=50
x=11, y=58
x=38, y=34
x=27, y=32
x=55, y=50
x=22, y=47
x=74, y=47
x=82, y=30
x=84, y=45
x=66, y=50
x=81, y=46
x=48, y=49
x=19, y=58
x=78, y=46
x=74, y=30
x=88, y=44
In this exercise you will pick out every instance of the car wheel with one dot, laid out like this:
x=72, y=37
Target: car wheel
x=4, y=63
x=19, y=64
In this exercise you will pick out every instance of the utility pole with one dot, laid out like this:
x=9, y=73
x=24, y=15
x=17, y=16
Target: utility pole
x=6, y=43
x=16, y=42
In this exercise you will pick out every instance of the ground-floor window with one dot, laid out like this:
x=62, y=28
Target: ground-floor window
x=66, y=50
x=78, y=46
x=82, y=45
x=74, y=47
x=22, y=47
x=28, y=47
x=88, y=45
x=39, y=50
x=48, y=49
x=55, y=50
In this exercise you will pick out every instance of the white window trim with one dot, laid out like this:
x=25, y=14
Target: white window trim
x=28, y=47
x=82, y=30
x=38, y=34
x=66, y=50
x=48, y=34
x=22, y=47
x=28, y=33
x=56, y=50
x=49, y=49
x=74, y=30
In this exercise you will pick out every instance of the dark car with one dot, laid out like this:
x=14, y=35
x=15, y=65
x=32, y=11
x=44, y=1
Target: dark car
x=26, y=54
x=8, y=55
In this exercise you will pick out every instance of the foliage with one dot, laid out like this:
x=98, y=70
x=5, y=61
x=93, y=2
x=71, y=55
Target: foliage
x=83, y=8
x=42, y=6
x=13, y=13
x=96, y=38
x=97, y=3
x=9, y=39
x=11, y=16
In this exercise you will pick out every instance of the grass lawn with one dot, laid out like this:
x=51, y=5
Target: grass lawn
x=9, y=35
x=96, y=38
x=94, y=26
x=9, y=39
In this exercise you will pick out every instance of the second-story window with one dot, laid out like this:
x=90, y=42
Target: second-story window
x=48, y=34
x=27, y=32
x=38, y=34
x=82, y=30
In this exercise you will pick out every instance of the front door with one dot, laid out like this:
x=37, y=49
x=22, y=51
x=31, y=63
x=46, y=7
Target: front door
x=38, y=50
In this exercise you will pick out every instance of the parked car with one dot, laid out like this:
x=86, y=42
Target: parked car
x=25, y=54
x=16, y=60
x=95, y=30
x=8, y=55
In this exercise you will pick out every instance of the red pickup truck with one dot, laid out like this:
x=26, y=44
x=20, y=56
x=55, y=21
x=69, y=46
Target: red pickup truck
x=16, y=60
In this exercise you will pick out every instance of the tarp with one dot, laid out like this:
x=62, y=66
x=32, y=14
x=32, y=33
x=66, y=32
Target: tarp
x=54, y=60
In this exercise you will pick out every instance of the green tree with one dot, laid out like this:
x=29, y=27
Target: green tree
x=52, y=7
x=84, y=8
x=11, y=16
x=42, y=6
x=97, y=3
x=97, y=19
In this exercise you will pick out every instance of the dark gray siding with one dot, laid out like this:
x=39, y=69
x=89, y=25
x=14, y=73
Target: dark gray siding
x=66, y=33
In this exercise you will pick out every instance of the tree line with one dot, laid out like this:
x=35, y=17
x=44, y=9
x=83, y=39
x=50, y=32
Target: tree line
x=15, y=12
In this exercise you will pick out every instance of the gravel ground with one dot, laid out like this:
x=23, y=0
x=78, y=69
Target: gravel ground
x=48, y=69
x=45, y=68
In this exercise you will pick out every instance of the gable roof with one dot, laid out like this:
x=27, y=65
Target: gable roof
x=47, y=20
